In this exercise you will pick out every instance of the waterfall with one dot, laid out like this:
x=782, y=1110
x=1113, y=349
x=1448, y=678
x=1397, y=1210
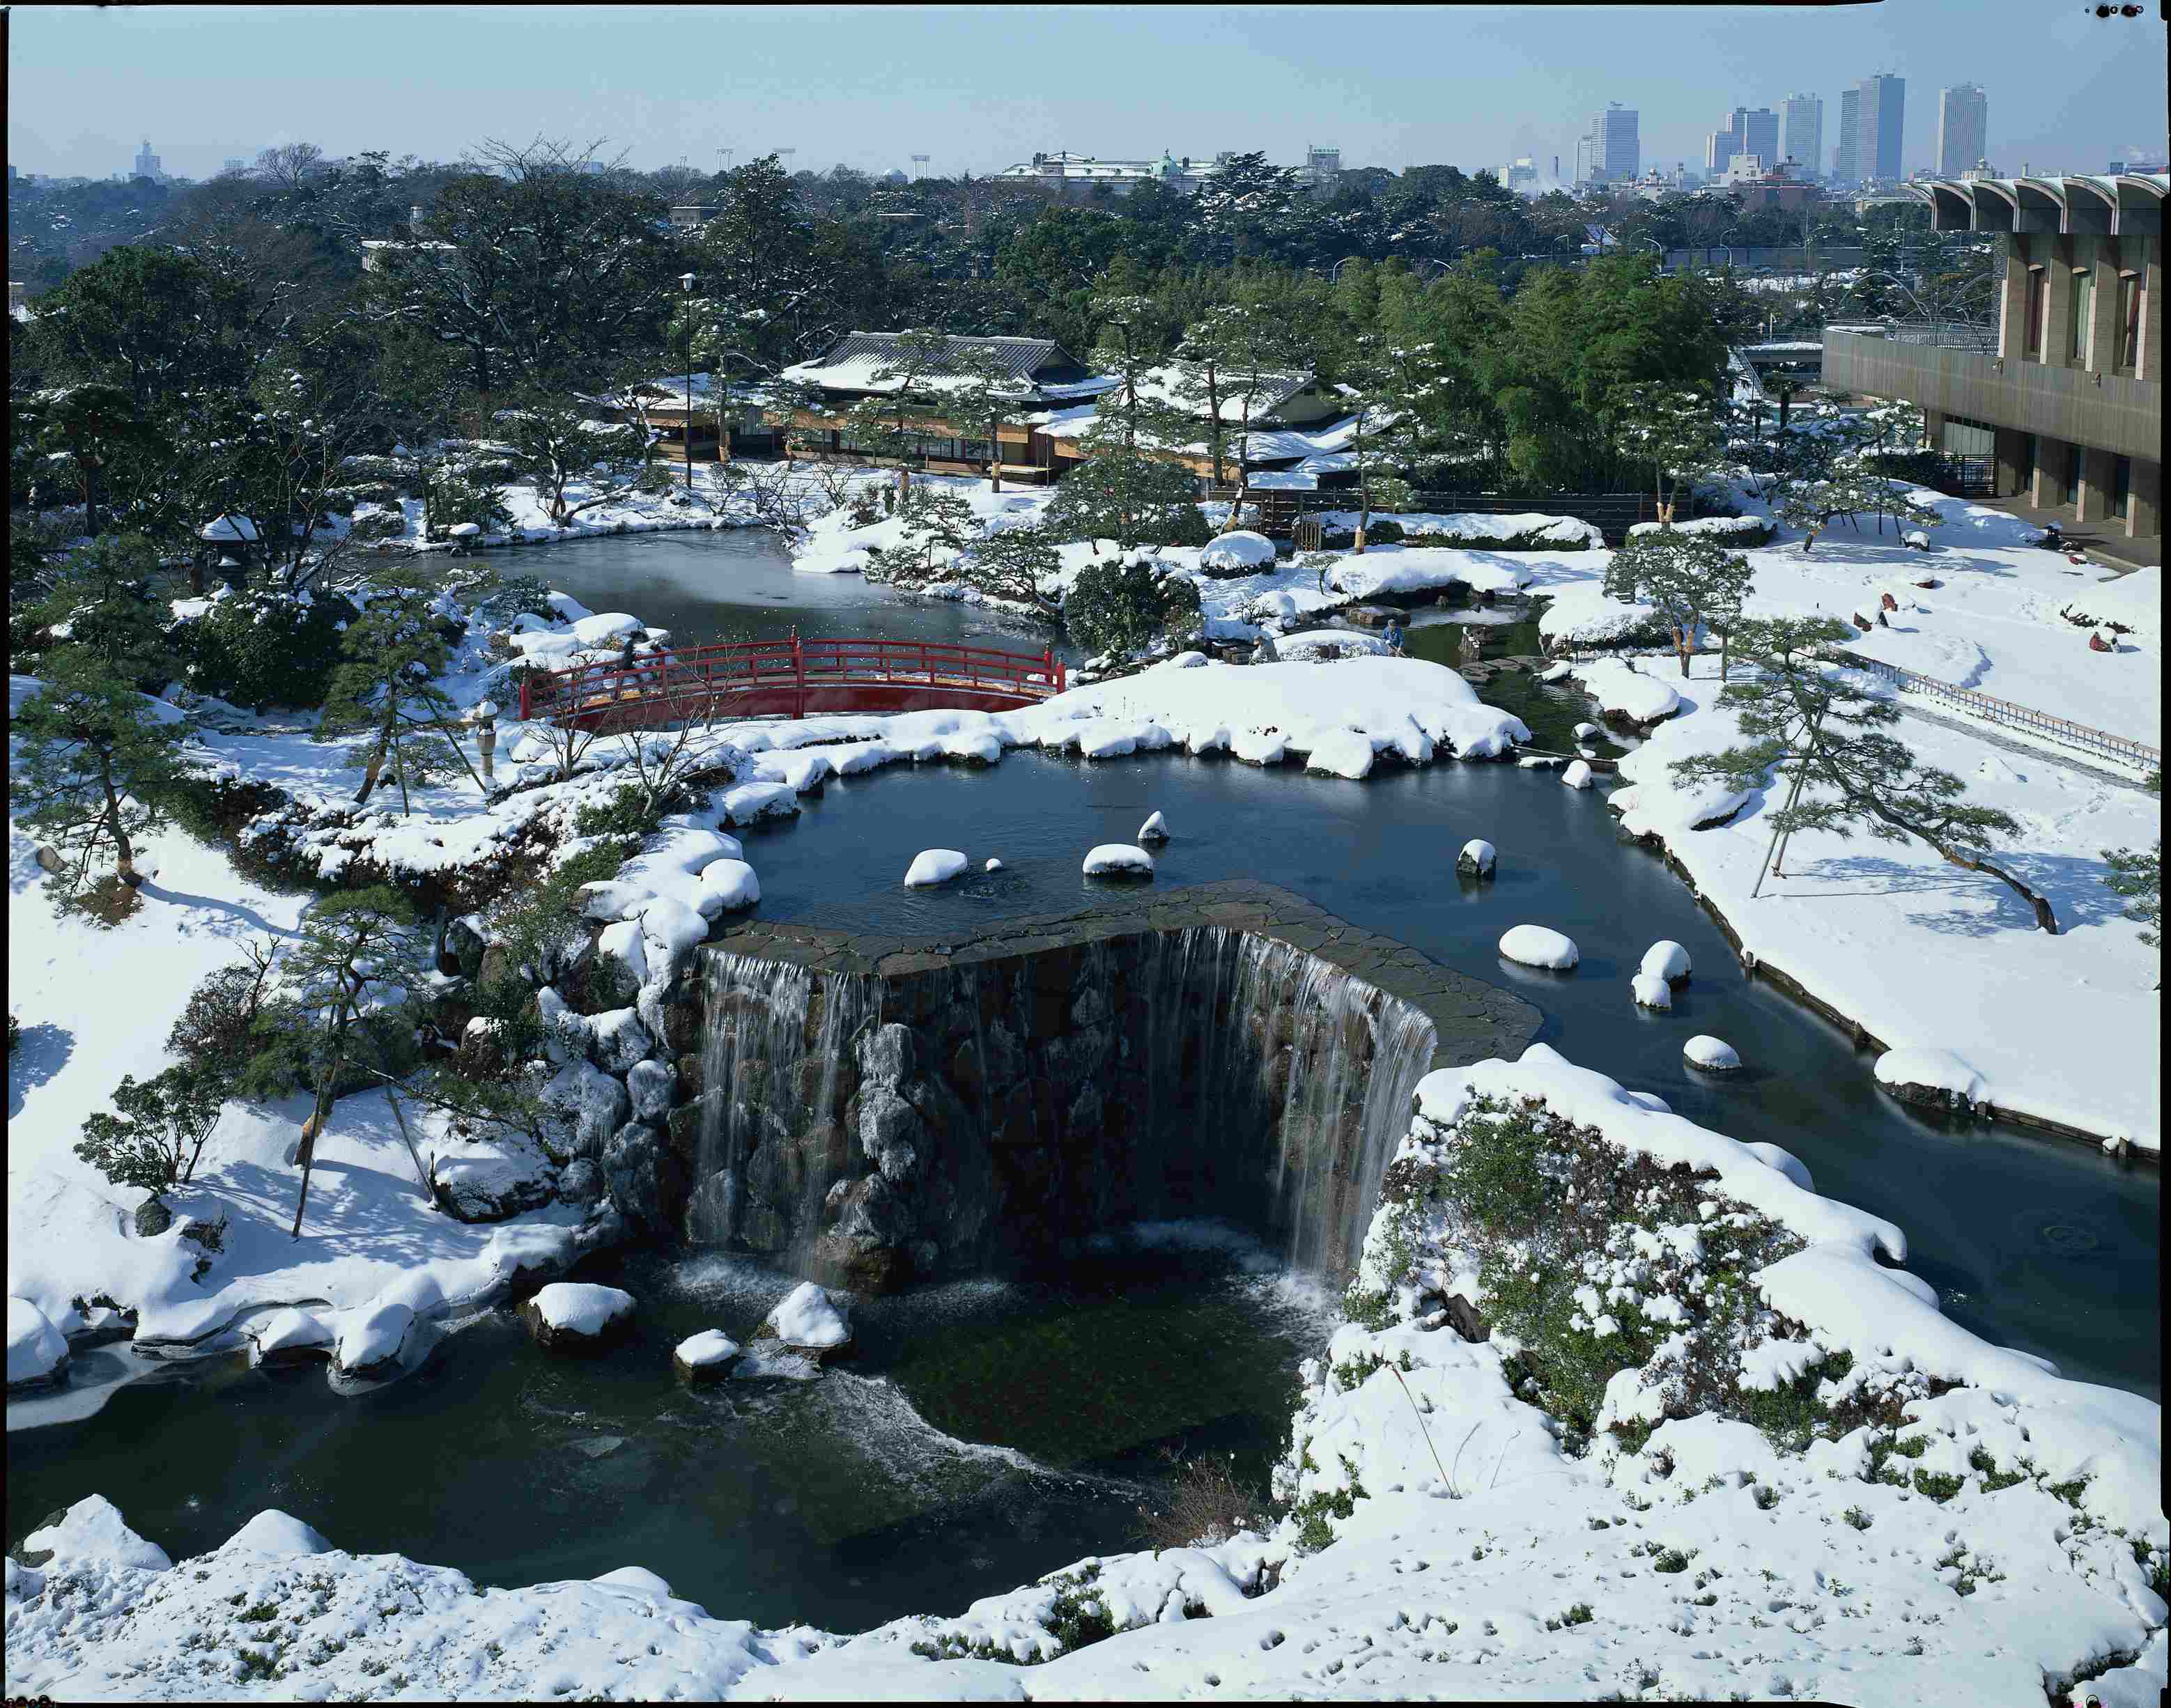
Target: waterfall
x=1203, y=1069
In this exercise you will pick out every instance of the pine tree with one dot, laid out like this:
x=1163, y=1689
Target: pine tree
x=101, y=594
x=2140, y=876
x=160, y=1134
x=1672, y=429
x=99, y=763
x=1689, y=579
x=1813, y=505
x=890, y=423
x=934, y=519
x=1805, y=717
x=1128, y=495
x=556, y=442
x=1016, y=564
x=384, y=696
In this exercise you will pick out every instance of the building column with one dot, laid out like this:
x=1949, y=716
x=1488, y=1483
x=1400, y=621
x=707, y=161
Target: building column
x=2103, y=336
x=2012, y=454
x=2052, y=457
x=2151, y=310
x=2012, y=301
x=2098, y=476
x=1933, y=429
x=2058, y=306
x=2144, y=512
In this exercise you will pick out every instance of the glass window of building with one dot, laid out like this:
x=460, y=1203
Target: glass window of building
x=2129, y=320
x=2039, y=308
x=2082, y=317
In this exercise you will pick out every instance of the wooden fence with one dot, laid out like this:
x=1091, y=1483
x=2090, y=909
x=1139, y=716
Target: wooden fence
x=2063, y=731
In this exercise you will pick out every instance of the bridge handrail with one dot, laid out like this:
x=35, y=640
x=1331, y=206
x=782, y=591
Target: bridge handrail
x=713, y=667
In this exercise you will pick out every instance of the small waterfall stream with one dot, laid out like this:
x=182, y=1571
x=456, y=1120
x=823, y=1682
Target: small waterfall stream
x=1020, y=1102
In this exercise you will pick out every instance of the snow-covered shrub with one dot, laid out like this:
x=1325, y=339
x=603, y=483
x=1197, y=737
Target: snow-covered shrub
x=1122, y=606
x=264, y=649
x=468, y=497
x=506, y=598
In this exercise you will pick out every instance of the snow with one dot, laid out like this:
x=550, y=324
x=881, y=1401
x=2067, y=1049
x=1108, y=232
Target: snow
x=1787, y=1163
x=93, y=1528
x=1667, y=960
x=1118, y=858
x=1940, y=1070
x=1712, y=1055
x=1652, y=992
x=807, y=1316
x=1340, y=753
x=290, y=1330
x=374, y=1335
x=1240, y=550
x=1530, y=526
x=276, y=1535
x=727, y=886
x=1577, y=775
x=1628, y=694
x=582, y=1308
x=710, y=1346
x=1477, y=856
x=1588, y=732
x=1407, y=569
x=934, y=866
x=993, y=864
x=1539, y=945
x=35, y=1348
x=1155, y=829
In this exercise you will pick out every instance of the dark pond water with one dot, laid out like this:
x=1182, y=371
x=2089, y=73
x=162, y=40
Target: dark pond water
x=988, y=1432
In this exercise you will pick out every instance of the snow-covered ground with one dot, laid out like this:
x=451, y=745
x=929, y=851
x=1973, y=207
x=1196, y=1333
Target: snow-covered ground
x=1995, y=1541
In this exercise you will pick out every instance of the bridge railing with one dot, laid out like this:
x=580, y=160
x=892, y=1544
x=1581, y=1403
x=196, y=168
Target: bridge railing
x=702, y=681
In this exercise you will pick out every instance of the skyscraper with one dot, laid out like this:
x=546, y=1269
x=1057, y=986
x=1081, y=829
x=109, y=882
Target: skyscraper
x=1609, y=151
x=1883, y=106
x=1850, y=136
x=1963, y=128
x=1803, y=137
x=146, y=163
x=1747, y=130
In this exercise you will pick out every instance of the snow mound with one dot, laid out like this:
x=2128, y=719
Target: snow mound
x=1236, y=553
x=701, y=1351
x=1118, y=859
x=1629, y=695
x=276, y=1535
x=807, y=1316
x=1667, y=960
x=932, y=866
x=726, y=887
x=35, y=1348
x=1712, y=1055
x=636, y=1580
x=1427, y=569
x=1478, y=858
x=993, y=864
x=290, y=1331
x=602, y=630
x=1787, y=1163
x=1187, y=661
x=1922, y=1075
x=1588, y=732
x=581, y=1308
x=1559, y=671
x=92, y=1529
x=1539, y=945
x=1155, y=829
x=1652, y=992
x=1576, y=775
x=1340, y=753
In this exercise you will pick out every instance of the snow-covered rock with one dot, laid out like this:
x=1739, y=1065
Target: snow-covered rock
x=92, y=1530
x=1477, y=860
x=1576, y=775
x=1154, y=830
x=1627, y=696
x=37, y=1352
x=807, y=1320
x=671, y=927
x=932, y=866
x=1932, y=1077
x=1238, y=553
x=1711, y=1055
x=487, y=1179
x=1651, y=992
x=624, y=942
x=1118, y=859
x=272, y=1534
x=1667, y=960
x=608, y=626
x=1539, y=945
x=289, y=1336
x=1787, y=1162
x=1586, y=732
x=726, y=887
x=1558, y=671
x=618, y=1039
x=1340, y=753
x=573, y=1316
x=749, y=802
x=652, y=1086
x=707, y=1357
x=1391, y=572
x=589, y=1102
x=371, y=1340
x=993, y=864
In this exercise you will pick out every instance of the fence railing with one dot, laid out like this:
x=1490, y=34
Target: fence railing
x=2063, y=731
x=1611, y=513
x=1945, y=335
x=705, y=680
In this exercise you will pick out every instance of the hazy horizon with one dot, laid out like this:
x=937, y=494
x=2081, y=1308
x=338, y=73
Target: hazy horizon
x=978, y=90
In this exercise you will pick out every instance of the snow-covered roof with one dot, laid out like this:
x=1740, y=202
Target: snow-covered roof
x=1160, y=384
x=856, y=364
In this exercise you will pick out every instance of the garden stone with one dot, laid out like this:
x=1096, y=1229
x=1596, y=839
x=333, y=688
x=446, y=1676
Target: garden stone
x=581, y=1182
x=652, y=1086
x=644, y=1178
x=153, y=1218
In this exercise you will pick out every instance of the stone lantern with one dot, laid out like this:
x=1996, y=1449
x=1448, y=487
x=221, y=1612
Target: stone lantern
x=484, y=716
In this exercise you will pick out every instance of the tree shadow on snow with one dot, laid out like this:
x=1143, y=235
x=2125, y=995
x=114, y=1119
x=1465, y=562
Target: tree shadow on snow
x=44, y=1051
x=2074, y=886
x=247, y=916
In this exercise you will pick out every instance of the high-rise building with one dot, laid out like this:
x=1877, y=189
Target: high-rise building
x=1747, y=130
x=1882, y=120
x=1620, y=154
x=234, y=164
x=146, y=163
x=1802, y=135
x=1850, y=136
x=1963, y=128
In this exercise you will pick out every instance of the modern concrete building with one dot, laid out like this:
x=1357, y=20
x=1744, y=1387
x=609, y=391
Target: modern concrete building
x=1963, y=128
x=1075, y=176
x=1881, y=118
x=2068, y=401
x=1802, y=134
x=1609, y=151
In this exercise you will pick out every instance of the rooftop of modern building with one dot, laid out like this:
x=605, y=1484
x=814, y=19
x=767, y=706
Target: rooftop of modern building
x=2124, y=204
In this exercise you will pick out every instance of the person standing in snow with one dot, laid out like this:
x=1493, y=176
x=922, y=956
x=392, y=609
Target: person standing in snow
x=1394, y=637
x=1264, y=652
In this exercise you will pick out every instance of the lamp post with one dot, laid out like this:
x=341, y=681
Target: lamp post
x=483, y=717
x=686, y=432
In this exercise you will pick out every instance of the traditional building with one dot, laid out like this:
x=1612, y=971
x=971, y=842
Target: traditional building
x=2068, y=399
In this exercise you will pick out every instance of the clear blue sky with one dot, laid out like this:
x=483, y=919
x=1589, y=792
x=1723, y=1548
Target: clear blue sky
x=979, y=89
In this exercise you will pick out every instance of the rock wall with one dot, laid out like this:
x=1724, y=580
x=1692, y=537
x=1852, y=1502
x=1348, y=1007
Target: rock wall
x=870, y=1111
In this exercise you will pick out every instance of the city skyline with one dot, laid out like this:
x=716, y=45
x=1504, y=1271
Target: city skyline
x=161, y=72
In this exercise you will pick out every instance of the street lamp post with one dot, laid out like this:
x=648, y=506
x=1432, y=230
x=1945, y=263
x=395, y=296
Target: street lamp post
x=686, y=432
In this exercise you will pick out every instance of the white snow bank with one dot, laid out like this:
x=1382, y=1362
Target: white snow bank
x=1539, y=945
x=35, y=1348
x=92, y=1529
x=276, y=1535
x=1524, y=527
x=726, y=887
x=1937, y=1070
x=932, y=866
x=1712, y=1055
x=1635, y=695
x=1343, y=753
x=1787, y=1163
x=807, y=1316
x=374, y=1336
x=290, y=1330
x=1237, y=553
x=1406, y=570
x=1118, y=859
x=582, y=1308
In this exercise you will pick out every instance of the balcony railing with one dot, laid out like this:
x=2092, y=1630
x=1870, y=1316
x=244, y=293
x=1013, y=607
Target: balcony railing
x=1944, y=334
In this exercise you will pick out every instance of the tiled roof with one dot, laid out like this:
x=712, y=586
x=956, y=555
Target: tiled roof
x=855, y=361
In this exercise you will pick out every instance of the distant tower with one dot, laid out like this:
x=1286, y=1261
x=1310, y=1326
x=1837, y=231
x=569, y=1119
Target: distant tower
x=919, y=165
x=146, y=163
x=1804, y=142
x=1963, y=127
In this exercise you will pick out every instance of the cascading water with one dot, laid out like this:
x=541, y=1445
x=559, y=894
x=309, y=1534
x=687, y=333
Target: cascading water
x=1021, y=1101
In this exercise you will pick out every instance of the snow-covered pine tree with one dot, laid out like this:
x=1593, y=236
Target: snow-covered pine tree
x=1689, y=579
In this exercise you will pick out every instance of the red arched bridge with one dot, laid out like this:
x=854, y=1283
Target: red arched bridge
x=789, y=679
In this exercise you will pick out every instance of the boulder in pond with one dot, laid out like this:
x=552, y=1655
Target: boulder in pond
x=37, y=1352
x=1669, y=961
x=578, y=1317
x=1477, y=860
x=808, y=1321
x=1539, y=945
x=1711, y=1055
x=707, y=1357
